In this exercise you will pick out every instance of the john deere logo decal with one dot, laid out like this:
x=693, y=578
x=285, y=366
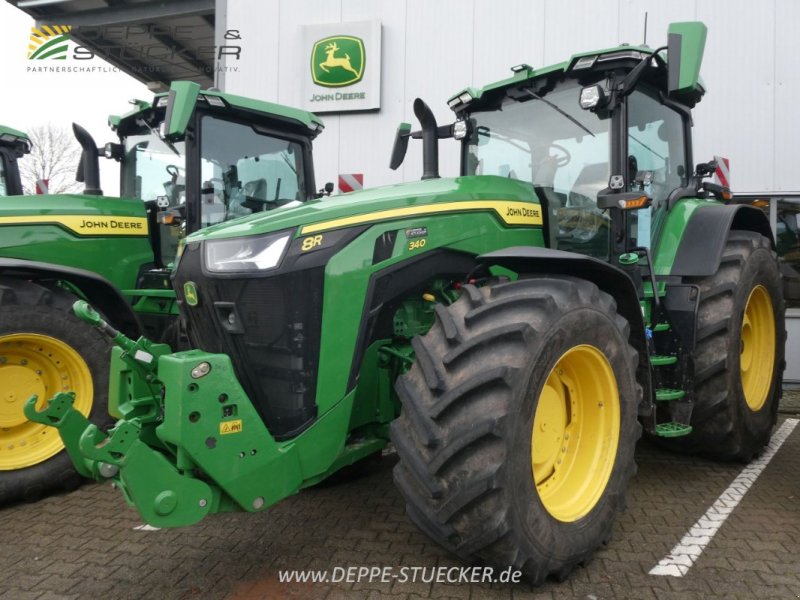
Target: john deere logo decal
x=190, y=293
x=49, y=41
x=338, y=61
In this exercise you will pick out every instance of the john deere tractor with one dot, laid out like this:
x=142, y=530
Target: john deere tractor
x=189, y=159
x=512, y=330
x=13, y=145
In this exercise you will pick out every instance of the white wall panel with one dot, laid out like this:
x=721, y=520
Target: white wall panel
x=506, y=34
x=787, y=91
x=573, y=26
x=365, y=139
x=659, y=15
x=737, y=118
x=259, y=26
x=433, y=48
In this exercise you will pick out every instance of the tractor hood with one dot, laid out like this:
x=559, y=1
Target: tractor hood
x=491, y=193
x=45, y=208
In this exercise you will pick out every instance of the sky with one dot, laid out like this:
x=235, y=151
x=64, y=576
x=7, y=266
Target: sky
x=30, y=99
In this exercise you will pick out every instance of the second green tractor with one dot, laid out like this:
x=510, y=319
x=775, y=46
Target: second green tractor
x=188, y=159
x=512, y=330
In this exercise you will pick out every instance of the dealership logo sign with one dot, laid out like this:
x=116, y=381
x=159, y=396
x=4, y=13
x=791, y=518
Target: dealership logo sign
x=49, y=41
x=338, y=61
x=339, y=79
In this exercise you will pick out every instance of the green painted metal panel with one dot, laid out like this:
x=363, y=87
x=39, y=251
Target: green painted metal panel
x=688, y=41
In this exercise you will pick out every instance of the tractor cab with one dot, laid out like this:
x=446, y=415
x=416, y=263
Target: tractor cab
x=200, y=157
x=604, y=140
x=13, y=146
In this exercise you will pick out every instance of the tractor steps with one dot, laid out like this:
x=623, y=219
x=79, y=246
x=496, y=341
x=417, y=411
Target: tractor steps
x=661, y=327
x=668, y=394
x=672, y=429
x=661, y=360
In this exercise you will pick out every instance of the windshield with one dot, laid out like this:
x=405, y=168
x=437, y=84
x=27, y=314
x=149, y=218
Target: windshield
x=245, y=170
x=153, y=169
x=560, y=149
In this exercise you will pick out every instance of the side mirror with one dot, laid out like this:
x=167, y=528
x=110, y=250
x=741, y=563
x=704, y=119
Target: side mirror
x=181, y=100
x=400, y=145
x=327, y=190
x=685, y=45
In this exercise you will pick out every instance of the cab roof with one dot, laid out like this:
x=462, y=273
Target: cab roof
x=593, y=61
x=287, y=113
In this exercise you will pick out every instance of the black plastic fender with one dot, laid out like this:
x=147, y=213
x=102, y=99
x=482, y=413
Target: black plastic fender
x=610, y=279
x=99, y=292
x=700, y=248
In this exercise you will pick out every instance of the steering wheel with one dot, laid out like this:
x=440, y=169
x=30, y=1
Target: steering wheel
x=173, y=170
x=564, y=157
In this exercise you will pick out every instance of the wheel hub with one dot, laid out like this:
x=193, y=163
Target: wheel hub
x=41, y=365
x=17, y=384
x=757, y=348
x=575, y=433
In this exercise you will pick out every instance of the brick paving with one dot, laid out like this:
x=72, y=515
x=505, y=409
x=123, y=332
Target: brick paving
x=84, y=545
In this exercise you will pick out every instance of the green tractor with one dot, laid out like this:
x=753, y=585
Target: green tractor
x=512, y=330
x=190, y=159
x=13, y=145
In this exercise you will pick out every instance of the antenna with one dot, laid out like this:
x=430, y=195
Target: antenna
x=645, y=29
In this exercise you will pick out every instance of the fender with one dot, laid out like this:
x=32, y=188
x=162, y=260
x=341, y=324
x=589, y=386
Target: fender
x=700, y=249
x=98, y=291
x=610, y=279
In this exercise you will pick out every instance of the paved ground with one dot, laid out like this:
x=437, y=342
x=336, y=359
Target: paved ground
x=84, y=545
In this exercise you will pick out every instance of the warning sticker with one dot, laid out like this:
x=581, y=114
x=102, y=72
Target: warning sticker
x=227, y=427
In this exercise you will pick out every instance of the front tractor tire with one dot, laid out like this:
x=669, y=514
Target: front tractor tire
x=518, y=425
x=739, y=356
x=44, y=349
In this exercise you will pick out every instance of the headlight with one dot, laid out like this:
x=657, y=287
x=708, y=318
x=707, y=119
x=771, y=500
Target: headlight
x=246, y=254
x=591, y=97
x=460, y=129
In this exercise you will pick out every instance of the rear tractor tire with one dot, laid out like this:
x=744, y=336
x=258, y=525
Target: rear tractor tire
x=739, y=356
x=518, y=425
x=44, y=349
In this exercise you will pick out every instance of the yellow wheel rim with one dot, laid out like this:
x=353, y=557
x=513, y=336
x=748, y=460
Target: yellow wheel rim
x=30, y=364
x=757, y=348
x=575, y=433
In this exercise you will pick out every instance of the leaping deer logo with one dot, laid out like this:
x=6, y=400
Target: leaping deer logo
x=338, y=61
x=331, y=61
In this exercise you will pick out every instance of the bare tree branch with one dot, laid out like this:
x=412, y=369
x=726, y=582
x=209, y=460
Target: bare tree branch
x=54, y=156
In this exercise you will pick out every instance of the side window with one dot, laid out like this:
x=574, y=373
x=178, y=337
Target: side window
x=656, y=158
x=656, y=148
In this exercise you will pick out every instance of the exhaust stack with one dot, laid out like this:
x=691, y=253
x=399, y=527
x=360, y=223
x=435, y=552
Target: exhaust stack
x=89, y=168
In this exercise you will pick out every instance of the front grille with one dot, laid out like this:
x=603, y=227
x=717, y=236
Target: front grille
x=273, y=337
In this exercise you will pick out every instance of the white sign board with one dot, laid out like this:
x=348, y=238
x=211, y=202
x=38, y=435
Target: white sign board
x=343, y=66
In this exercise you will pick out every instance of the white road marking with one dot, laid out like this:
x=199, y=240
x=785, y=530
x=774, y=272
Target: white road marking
x=146, y=527
x=678, y=562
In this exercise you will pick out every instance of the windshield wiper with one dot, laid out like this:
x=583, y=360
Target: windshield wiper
x=561, y=111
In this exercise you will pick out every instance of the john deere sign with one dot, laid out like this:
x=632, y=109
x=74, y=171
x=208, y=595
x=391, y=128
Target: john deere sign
x=344, y=66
